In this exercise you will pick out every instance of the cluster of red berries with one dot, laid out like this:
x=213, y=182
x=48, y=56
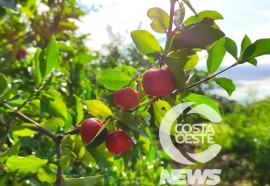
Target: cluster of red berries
x=156, y=82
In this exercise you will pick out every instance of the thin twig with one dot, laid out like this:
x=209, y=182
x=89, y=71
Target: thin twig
x=210, y=77
x=29, y=120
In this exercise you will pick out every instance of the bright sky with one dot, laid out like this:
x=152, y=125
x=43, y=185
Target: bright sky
x=251, y=17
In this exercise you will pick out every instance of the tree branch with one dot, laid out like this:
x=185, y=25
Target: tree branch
x=210, y=77
x=29, y=120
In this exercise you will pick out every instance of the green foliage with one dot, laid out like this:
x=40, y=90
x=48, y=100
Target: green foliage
x=160, y=19
x=215, y=56
x=46, y=94
x=113, y=79
x=145, y=42
x=83, y=181
x=226, y=84
x=24, y=165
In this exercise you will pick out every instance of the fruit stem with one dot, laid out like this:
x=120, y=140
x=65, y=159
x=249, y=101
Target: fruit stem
x=170, y=31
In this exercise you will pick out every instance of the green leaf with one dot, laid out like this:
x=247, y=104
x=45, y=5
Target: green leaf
x=176, y=65
x=132, y=122
x=245, y=43
x=196, y=36
x=160, y=19
x=13, y=150
x=53, y=124
x=231, y=47
x=113, y=79
x=47, y=173
x=83, y=181
x=25, y=129
x=200, y=99
x=160, y=108
x=215, y=56
x=226, y=84
x=3, y=83
x=74, y=144
x=192, y=61
x=59, y=108
x=201, y=15
x=129, y=70
x=51, y=55
x=145, y=42
x=98, y=108
x=25, y=165
x=37, y=66
x=258, y=48
x=67, y=160
x=79, y=110
x=102, y=155
x=8, y=4
x=127, y=157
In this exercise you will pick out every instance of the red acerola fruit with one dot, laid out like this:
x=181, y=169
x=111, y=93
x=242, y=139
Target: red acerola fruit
x=89, y=129
x=158, y=82
x=126, y=98
x=118, y=142
x=21, y=54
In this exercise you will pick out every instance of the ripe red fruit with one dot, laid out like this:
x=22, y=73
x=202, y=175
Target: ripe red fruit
x=89, y=129
x=118, y=142
x=126, y=98
x=21, y=53
x=158, y=82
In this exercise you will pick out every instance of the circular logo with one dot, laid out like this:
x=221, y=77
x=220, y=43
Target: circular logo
x=167, y=123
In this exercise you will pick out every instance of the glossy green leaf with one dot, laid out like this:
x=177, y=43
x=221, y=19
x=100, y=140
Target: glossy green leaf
x=160, y=19
x=37, y=66
x=53, y=124
x=23, y=130
x=132, y=122
x=67, y=160
x=192, y=61
x=215, y=56
x=200, y=99
x=160, y=109
x=59, y=108
x=231, y=47
x=258, y=48
x=113, y=79
x=79, y=110
x=83, y=181
x=25, y=165
x=145, y=42
x=245, y=43
x=201, y=15
x=98, y=108
x=226, y=84
x=102, y=155
x=3, y=83
x=129, y=70
x=176, y=65
x=51, y=55
x=47, y=173
x=13, y=150
x=196, y=36
x=74, y=144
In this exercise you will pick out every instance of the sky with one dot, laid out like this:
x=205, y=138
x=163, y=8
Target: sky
x=251, y=17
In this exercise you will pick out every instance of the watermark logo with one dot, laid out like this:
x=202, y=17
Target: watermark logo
x=187, y=133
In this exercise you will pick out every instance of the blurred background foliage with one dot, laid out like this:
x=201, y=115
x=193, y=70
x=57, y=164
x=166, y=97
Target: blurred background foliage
x=28, y=24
